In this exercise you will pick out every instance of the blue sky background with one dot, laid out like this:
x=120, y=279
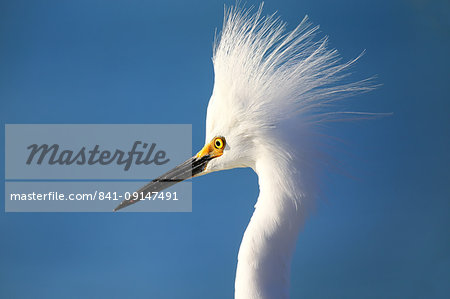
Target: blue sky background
x=383, y=230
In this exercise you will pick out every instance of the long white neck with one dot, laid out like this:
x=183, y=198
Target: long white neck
x=264, y=260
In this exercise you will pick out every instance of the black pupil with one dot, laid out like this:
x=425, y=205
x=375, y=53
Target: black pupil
x=218, y=143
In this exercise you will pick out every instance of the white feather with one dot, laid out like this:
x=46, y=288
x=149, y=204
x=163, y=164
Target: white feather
x=272, y=87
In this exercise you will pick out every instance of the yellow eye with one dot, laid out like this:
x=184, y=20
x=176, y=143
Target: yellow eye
x=219, y=143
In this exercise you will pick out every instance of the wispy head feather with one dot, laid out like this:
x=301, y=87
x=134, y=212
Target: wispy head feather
x=271, y=74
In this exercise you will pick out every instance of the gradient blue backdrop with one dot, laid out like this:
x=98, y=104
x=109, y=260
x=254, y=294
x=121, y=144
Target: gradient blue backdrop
x=383, y=230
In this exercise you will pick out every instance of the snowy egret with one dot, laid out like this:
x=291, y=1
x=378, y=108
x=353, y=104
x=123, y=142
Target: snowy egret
x=272, y=89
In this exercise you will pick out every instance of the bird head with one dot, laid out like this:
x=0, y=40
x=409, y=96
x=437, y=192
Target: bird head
x=270, y=89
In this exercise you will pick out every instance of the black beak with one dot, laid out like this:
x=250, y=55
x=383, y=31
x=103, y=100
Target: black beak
x=185, y=170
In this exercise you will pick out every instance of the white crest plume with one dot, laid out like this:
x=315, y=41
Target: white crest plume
x=267, y=73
